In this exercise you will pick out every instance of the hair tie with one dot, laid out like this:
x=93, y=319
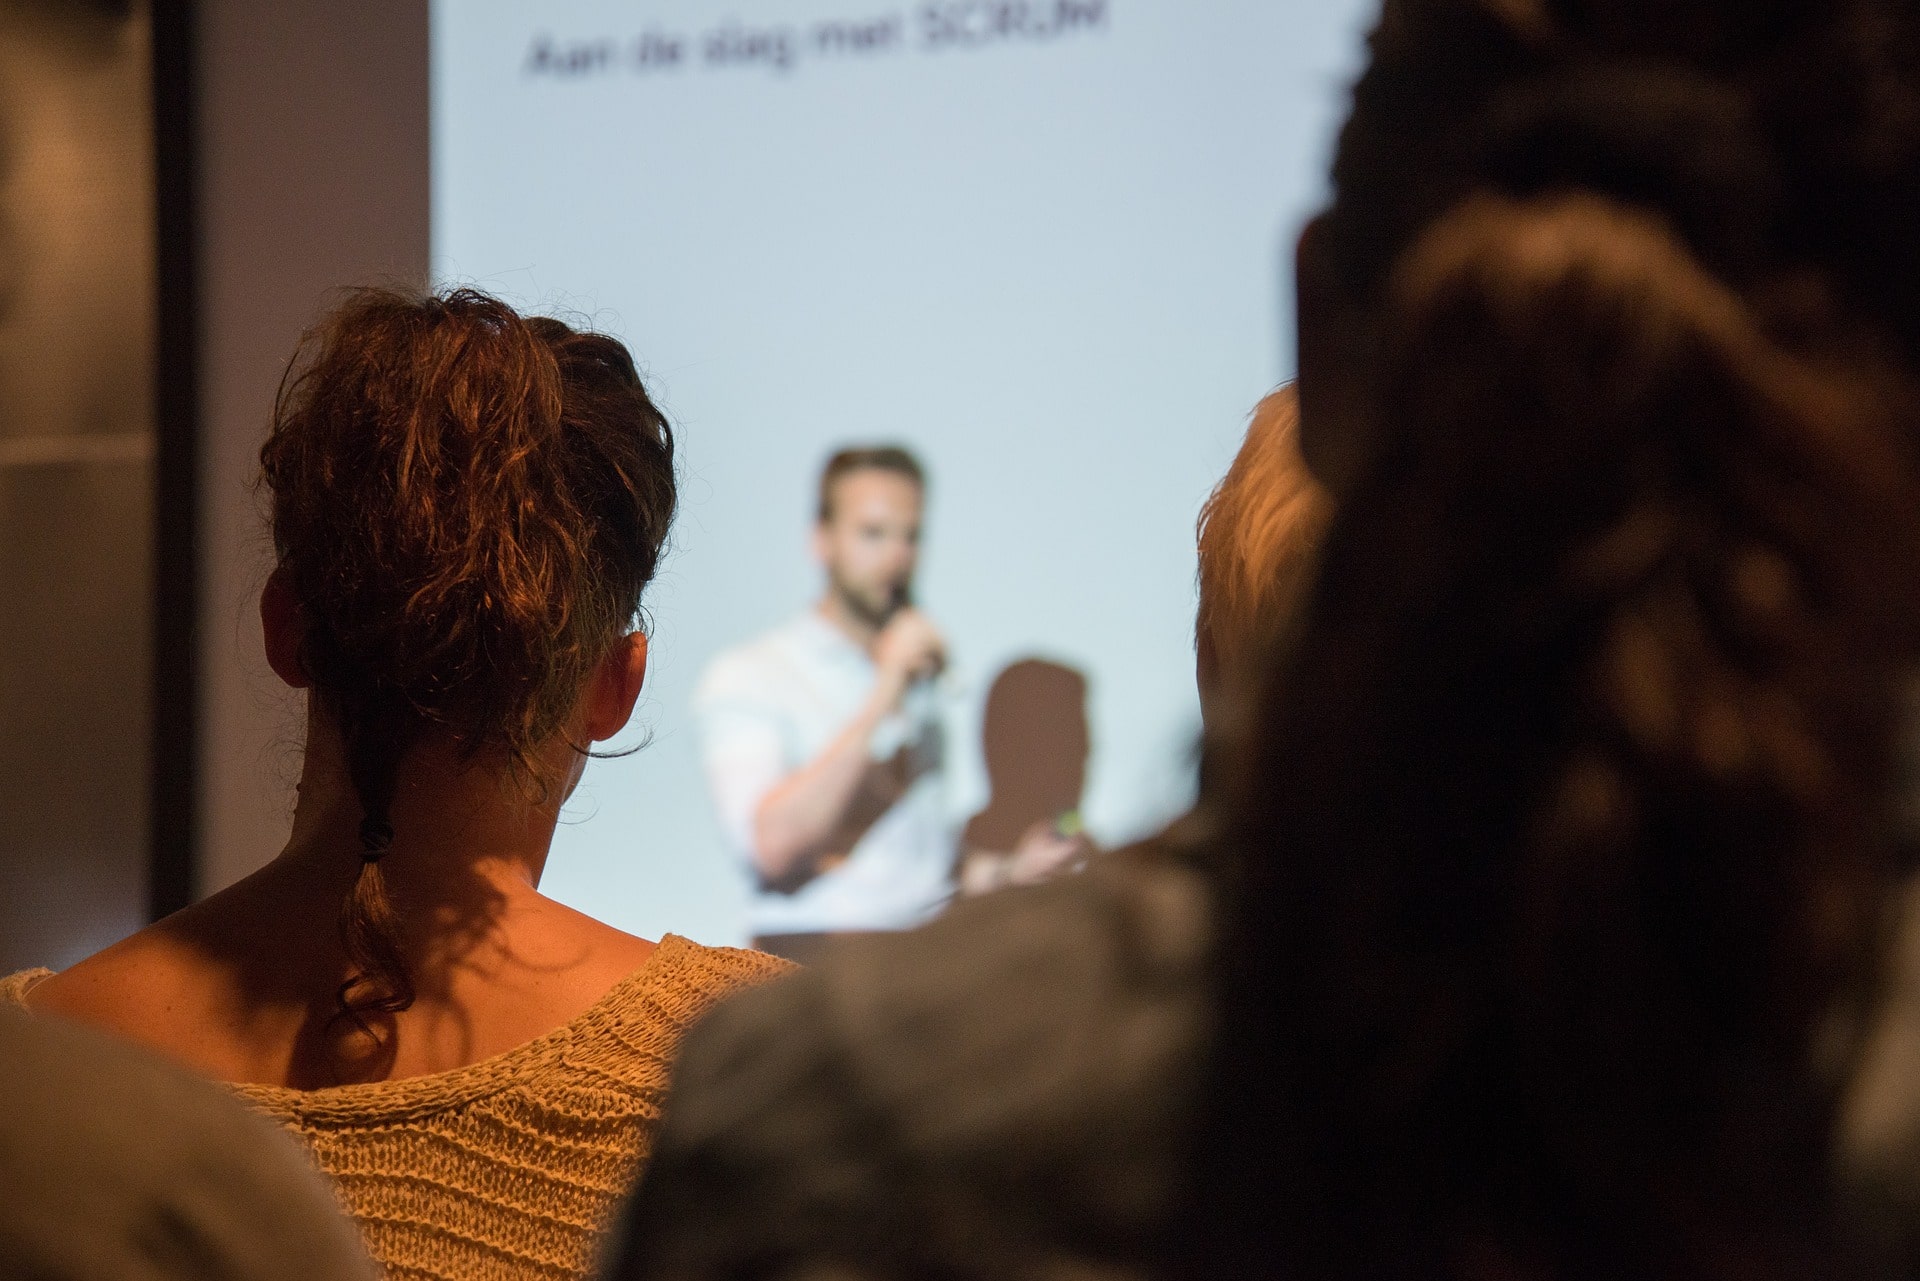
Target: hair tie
x=376, y=835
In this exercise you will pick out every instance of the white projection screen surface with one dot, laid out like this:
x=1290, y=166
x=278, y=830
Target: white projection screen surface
x=1046, y=244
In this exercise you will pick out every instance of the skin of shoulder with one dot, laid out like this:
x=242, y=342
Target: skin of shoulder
x=225, y=986
x=115, y=983
x=600, y=955
x=177, y=987
x=149, y=987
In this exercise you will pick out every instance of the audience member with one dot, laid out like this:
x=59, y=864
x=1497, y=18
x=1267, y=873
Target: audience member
x=1064, y=1024
x=118, y=1167
x=1584, y=763
x=1528, y=933
x=1258, y=532
x=466, y=507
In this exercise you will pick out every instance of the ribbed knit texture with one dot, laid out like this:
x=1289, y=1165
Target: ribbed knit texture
x=511, y=1168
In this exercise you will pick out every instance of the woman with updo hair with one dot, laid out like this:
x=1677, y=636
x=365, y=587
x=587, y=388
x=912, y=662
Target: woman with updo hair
x=1529, y=926
x=466, y=507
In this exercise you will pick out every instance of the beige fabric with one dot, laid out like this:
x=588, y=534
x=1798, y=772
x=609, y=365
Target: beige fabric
x=511, y=1168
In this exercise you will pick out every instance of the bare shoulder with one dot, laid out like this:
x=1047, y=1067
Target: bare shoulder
x=201, y=985
x=134, y=987
x=598, y=954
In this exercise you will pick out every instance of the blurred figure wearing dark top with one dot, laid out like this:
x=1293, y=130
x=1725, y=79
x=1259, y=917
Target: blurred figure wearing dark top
x=118, y=1167
x=1527, y=931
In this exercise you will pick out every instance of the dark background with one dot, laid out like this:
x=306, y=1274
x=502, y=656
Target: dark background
x=182, y=187
x=79, y=475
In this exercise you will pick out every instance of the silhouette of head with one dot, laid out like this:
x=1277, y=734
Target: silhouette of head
x=1036, y=742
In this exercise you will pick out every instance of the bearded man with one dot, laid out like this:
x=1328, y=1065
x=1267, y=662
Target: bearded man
x=823, y=739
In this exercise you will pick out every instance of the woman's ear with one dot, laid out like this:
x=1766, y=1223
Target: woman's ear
x=614, y=688
x=285, y=626
x=1338, y=354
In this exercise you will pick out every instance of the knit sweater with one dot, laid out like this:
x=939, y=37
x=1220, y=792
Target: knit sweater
x=511, y=1168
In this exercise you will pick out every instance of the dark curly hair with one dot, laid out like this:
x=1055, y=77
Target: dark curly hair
x=467, y=505
x=1552, y=880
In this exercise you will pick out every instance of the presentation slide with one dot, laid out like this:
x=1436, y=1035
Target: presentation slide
x=1044, y=244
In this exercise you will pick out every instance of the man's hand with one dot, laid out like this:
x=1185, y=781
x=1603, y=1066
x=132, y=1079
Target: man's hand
x=797, y=823
x=1042, y=852
x=909, y=648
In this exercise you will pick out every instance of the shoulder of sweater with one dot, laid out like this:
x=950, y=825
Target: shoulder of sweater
x=696, y=976
x=721, y=967
x=625, y=1044
x=635, y=1036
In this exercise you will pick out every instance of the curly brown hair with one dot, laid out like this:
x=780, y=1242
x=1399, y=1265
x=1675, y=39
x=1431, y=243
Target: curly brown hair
x=466, y=504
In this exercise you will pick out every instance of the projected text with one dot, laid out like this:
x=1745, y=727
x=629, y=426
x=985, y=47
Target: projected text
x=931, y=28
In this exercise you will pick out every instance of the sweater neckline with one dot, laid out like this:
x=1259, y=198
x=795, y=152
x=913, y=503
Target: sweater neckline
x=411, y=1096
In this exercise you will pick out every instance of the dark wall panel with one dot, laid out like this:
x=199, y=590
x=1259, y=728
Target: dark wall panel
x=77, y=456
x=312, y=159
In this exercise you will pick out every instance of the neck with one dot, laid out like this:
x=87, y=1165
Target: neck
x=464, y=834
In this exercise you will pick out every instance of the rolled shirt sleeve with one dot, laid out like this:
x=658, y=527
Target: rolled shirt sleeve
x=743, y=750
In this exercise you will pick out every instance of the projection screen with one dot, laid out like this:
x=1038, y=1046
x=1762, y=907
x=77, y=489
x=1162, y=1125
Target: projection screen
x=1046, y=244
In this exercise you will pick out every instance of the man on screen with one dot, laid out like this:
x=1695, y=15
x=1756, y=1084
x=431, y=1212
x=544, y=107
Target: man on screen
x=823, y=741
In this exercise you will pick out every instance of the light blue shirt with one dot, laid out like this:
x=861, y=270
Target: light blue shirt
x=765, y=710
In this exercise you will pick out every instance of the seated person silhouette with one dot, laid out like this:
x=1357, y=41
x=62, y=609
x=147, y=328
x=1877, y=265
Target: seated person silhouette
x=118, y=1165
x=1035, y=741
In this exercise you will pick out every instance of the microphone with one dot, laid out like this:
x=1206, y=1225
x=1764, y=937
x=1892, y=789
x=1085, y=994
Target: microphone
x=902, y=598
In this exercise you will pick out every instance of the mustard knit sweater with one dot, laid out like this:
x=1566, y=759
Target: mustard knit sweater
x=511, y=1168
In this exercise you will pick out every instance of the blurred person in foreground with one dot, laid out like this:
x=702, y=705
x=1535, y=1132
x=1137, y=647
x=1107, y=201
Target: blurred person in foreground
x=1530, y=931
x=1067, y=1023
x=119, y=1167
x=823, y=740
x=466, y=506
